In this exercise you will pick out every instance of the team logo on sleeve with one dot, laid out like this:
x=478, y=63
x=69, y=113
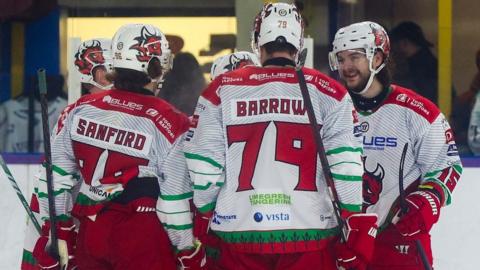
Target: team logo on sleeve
x=372, y=184
x=148, y=45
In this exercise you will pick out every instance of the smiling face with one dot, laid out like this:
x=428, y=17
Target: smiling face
x=353, y=67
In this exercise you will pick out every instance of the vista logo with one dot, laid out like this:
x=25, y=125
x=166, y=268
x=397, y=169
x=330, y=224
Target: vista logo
x=259, y=217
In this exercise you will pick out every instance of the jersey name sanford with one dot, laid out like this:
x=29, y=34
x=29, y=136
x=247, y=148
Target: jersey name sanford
x=109, y=136
x=268, y=105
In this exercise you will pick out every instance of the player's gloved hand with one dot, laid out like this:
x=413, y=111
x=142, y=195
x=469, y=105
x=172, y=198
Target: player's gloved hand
x=423, y=212
x=357, y=251
x=66, y=244
x=201, y=225
x=193, y=259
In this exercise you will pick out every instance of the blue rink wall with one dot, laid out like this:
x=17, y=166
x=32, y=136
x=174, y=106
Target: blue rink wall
x=455, y=238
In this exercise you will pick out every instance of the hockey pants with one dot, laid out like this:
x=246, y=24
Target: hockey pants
x=123, y=239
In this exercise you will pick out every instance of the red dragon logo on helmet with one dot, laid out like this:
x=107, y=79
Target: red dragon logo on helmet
x=235, y=62
x=381, y=39
x=372, y=184
x=88, y=56
x=148, y=45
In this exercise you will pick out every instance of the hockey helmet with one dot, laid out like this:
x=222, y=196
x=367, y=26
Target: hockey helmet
x=367, y=35
x=231, y=62
x=277, y=22
x=91, y=54
x=135, y=45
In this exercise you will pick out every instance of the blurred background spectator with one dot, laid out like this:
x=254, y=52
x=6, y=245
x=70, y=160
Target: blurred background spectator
x=184, y=83
x=21, y=118
x=416, y=66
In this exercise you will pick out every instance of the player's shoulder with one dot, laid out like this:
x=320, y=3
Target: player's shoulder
x=324, y=83
x=415, y=103
x=170, y=121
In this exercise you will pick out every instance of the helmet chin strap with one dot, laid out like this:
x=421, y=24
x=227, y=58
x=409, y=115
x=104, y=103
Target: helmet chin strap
x=103, y=87
x=373, y=72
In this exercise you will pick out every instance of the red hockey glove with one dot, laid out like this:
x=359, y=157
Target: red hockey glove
x=193, y=259
x=201, y=225
x=423, y=212
x=358, y=250
x=66, y=244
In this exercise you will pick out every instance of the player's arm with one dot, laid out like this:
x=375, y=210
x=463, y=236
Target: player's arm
x=205, y=150
x=343, y=152
x=436, y=154
x=65, y=177
x=173, y=205
x=344, y=156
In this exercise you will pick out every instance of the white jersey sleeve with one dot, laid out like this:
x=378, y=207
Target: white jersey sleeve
x=206, y=153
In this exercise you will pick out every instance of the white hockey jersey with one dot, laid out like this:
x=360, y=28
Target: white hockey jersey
x=252, y=158
x=14, y=123
x=104, y=140
x=405, y=118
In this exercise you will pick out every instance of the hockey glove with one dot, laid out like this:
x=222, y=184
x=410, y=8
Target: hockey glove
x=66, y=245
x=357, y=251
x=193, y=259
x=423, y=212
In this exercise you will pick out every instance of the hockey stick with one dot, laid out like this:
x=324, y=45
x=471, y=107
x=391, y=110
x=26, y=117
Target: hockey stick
x=42, y=85
x=319, y=143
x=404, y=208
x=20, y=195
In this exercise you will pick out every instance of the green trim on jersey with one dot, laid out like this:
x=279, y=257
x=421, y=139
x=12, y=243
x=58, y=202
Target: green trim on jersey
x=27, y=257
x=344, y=177
x=192, y=171
x=344, y=149
x=178, y=227
x=199, y=187
x=207, y=208
x=202, y=158
x=281, y=236
x=178, y=197
x=351, y=207
x=55, y=193
x=345, y=162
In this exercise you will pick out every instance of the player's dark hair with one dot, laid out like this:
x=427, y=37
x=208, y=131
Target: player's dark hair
x=133, y=80
x=279, y=45
x=385, y=76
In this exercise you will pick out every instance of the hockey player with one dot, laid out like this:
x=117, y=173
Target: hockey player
x=392, y=118
x=221, y=65
x=231, y=62
x=251, y=155
x=92, y=60
x=123, y=148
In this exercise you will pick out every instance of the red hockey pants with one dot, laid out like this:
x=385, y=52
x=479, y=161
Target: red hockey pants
x=122, y=239
x=313, y=260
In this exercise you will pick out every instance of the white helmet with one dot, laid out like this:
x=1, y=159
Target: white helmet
x=91, y=54
x=367, y=35
x=135, y=45
x=233, y=61
x=277, y=20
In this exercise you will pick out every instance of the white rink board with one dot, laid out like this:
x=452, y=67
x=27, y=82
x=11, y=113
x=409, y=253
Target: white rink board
x=455, y=238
